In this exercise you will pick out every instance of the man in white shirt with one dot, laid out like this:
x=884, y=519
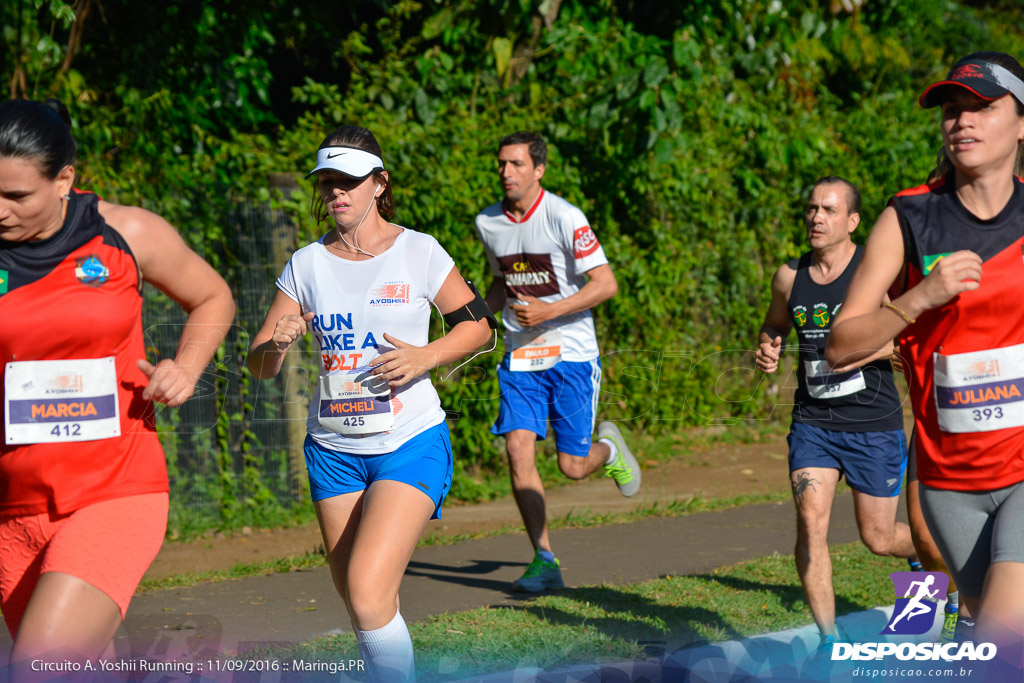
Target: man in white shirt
x=549, y=271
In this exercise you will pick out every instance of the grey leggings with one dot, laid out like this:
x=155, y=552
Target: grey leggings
x=973, y=529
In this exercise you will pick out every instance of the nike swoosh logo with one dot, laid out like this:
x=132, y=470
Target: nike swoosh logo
x=339, y=154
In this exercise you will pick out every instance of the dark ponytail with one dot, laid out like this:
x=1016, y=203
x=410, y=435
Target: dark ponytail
x=58, y=107
x=37, y=131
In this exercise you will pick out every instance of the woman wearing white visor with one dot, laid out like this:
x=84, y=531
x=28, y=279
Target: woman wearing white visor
x=949, y=254
x=377, y=451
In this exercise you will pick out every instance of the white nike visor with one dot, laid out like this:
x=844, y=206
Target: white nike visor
x=349, y=161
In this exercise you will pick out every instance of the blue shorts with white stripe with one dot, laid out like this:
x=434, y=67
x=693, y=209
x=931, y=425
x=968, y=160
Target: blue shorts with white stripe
x=565, y=394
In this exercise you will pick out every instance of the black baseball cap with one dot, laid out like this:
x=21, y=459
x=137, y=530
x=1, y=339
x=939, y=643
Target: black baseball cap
x=986, y=79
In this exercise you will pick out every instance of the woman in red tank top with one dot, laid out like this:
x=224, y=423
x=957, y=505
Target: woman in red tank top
x=949, y=254
x=83, y=482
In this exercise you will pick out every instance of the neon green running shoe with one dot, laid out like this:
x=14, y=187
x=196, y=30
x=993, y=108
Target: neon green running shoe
x=625, y=470
x=948, y=634
x=540, y=575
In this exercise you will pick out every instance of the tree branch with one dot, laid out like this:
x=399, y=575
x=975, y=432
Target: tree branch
x=524, y=52
x=81, y=8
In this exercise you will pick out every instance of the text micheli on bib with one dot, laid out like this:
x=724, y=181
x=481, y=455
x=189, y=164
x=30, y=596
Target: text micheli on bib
x=355, y=403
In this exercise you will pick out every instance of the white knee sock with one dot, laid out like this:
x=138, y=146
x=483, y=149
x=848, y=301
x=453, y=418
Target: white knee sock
x=387, y=652
x=614, y=450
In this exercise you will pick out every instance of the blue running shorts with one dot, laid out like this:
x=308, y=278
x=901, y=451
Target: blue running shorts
x=872, y=462
x=566, y=394
x=424, y=462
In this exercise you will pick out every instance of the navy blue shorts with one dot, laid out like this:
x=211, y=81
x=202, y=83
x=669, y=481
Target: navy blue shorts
x=872, y=462
x=424, y=462
x=566, y=394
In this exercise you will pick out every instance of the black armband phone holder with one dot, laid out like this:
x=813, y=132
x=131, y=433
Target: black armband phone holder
x=473, y=311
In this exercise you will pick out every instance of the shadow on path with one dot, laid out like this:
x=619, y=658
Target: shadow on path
x=463, y=574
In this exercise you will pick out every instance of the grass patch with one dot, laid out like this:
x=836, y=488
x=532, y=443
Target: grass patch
x=185, y=523
x=594, y=624
x=293, y=563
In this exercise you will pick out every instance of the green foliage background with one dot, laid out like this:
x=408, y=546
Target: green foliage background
x=689, y=133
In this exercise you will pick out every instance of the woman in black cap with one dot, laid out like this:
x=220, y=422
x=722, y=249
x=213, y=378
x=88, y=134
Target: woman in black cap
x=950, y=255
x=378, y=452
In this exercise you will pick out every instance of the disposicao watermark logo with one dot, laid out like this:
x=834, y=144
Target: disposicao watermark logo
x=915, y=612
x=918, y=595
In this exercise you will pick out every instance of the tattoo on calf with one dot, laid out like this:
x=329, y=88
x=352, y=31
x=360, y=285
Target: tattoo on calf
x=801, y=483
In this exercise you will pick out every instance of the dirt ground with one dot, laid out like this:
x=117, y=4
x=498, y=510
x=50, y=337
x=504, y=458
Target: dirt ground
x=720, y=472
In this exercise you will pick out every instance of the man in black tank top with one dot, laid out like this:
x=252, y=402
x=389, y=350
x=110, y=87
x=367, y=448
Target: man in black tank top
x=846, y=421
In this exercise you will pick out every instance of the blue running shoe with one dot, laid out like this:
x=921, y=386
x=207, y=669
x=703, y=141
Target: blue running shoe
x=540, y=575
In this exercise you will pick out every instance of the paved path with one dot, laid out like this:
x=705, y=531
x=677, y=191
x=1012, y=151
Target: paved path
x=287, y=608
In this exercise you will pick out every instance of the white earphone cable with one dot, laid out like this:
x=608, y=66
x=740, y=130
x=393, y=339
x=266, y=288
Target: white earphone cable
x=355, y=233
x=444, y=378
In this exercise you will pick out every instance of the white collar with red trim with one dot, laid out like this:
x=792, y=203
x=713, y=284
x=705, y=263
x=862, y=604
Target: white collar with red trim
x=526, y=216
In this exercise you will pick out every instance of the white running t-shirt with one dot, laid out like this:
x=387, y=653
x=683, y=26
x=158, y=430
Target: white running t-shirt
x=355, y=303
x=544, y=255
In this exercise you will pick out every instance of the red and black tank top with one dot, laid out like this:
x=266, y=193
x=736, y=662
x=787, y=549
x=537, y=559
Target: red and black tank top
x=861, y=400
x=965, y=387
x=75, y=296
